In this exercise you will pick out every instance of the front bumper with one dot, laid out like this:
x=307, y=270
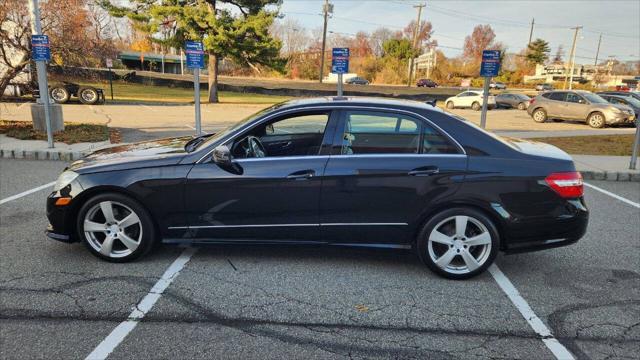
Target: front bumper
x=62, y=219
x=621, y=118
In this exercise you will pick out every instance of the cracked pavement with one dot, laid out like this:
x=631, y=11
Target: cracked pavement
x=58, y=301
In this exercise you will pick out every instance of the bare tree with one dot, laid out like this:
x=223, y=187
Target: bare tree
x=378, y=37
x=14, y=41
x=293, y=35
x=482, y=38
x=423, y=36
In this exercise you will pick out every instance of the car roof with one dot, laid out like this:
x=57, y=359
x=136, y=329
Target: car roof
x=353, y=100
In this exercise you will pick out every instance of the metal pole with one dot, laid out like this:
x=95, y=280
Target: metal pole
x=181, y=62
x=485, y=101
x=196, y=88
x=636, y=145
x=533, y=21
x=325, y=9
x=416, y=32
x=41, y=69
x=340, y=85
x=111, y=83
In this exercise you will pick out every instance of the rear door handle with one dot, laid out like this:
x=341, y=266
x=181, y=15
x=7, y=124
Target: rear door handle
x=302, y=174
x=428, y=171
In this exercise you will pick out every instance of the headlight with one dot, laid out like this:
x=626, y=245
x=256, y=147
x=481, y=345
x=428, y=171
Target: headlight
x=64, y=179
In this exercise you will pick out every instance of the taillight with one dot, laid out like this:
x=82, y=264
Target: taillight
x=532, y=101
x=566, y=184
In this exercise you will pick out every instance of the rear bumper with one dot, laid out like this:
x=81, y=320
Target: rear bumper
x=550, y=233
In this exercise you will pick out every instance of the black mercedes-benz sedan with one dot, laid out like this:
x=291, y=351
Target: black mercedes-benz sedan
x=336, y=171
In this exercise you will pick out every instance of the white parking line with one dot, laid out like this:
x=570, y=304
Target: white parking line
x=25, y=193
x=558, y=350
x=121, y=331
x=625, y=200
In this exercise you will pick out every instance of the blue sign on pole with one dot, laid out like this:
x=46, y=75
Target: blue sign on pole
x=40, y=50
x=490, y=63
x=340, y=60
x=195, y=54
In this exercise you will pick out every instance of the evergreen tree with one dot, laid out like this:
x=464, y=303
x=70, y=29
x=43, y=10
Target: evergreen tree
x=538, y=52
x=242, y=36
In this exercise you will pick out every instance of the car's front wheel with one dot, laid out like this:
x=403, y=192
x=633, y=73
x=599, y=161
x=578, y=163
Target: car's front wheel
x=458, y=243
x=115, y=227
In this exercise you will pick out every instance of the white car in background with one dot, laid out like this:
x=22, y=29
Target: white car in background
x=470, y=99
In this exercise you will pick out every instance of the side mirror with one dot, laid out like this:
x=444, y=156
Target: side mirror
x=222, y=155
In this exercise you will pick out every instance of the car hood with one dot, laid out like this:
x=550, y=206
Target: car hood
x=153, y=153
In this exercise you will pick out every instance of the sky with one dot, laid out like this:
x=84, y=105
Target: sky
x=617, y=20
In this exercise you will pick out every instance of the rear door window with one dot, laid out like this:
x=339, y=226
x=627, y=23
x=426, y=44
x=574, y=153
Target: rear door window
x=557, y=96
x=372, y=132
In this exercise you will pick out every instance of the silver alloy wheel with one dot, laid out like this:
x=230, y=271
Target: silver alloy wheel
x=89, y=95
x=596, y=120
x=539, y=116
x=58, y=94
x=112, y=229
x=459, y=244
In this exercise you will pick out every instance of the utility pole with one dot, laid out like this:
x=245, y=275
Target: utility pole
x=416, y=32
x=598, y=51
x=41, y=68
x=572, y=58
x=533, y=21
x=326, y=9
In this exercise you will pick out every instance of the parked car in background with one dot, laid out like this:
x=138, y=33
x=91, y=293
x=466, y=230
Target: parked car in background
x=544, y=87
x=632, y=94
x=512, y=101
x=361, y=172
x=624, y=100
x=426, y=83
x=357, y=81
x=498, y=86
x=579, y=105
x=470, y=99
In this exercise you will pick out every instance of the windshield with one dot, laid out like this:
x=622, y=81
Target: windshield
x=633, y=101
x=594, y=99
x=237, y=126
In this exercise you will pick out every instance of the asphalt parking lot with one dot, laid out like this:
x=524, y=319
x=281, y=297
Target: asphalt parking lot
x=58, y=301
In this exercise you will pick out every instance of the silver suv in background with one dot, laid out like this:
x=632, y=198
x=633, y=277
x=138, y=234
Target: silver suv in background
x=578, y=105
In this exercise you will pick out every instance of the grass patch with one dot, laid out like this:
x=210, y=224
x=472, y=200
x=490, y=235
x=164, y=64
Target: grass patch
x=123, y=91
x=73, y=133
x=620, y=145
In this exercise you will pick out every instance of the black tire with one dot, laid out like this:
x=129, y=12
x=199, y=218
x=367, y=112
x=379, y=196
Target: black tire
x=59, y=94
x=450, y=105
x=488, y=254
x=539, y=115
x=476, y=106
x=596, y=120
x=147, y=237
x=521, y=106
x=88, y=95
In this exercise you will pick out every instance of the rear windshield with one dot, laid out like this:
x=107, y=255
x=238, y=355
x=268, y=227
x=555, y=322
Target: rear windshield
x=593, y=98
x=507, y=141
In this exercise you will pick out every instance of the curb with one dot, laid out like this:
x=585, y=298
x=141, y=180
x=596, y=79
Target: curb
x=610, y=176
x=63, y=155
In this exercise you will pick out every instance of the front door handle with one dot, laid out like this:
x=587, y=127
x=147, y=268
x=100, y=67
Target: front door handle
x=302, y=174
x=424, y=171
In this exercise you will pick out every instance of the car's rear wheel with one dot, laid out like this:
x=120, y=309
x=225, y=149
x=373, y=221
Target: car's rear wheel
x=596, y=120
x=476, y=106
x=115, y=227
x=458, y=243
x=59, y=94
x=450, y=105
x=521, y=106
x=88, y=95
x=539, y=115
